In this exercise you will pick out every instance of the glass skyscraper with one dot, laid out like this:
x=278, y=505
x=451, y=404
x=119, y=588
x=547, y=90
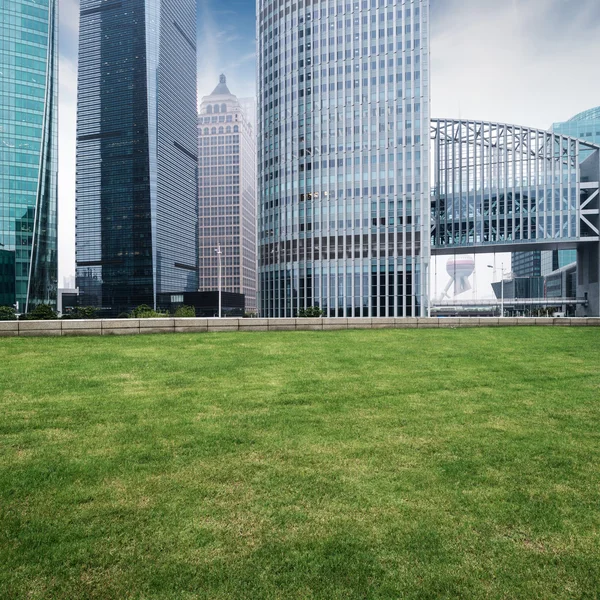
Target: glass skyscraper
x=227, y=194
x=136, y=193
x=343, y=156
x=28, y=152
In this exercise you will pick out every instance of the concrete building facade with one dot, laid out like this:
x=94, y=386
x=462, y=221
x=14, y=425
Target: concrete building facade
x=227, y=195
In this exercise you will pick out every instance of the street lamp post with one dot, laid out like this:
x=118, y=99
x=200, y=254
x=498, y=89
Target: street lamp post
x=501, y=286
x=218, y=251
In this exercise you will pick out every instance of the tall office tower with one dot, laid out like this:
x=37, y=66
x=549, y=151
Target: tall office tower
x=343, y=156
x=28, y=152
x=526, y=264
x=136, y=193
x=227, y=191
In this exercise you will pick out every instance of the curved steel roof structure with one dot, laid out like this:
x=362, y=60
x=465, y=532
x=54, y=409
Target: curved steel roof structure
x=506, y=187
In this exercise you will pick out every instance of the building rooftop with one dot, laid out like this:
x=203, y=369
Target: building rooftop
x=222, y=89
x=587, y=115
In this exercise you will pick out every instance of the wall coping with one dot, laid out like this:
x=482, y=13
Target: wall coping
x=193, y=324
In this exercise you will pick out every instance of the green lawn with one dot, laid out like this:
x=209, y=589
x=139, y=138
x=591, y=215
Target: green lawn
x=354, y=464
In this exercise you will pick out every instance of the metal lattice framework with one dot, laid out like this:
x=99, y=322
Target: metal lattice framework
x=510, y=187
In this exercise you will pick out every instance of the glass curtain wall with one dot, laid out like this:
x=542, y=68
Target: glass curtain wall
x=28, y=152
x=343, y=156
x=137, y=205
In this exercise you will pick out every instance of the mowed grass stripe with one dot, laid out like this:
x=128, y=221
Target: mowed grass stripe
x=350, y=464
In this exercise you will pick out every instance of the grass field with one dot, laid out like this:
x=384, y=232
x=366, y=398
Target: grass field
x=355, y=464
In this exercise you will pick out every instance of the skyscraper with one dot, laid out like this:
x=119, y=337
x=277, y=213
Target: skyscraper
x=227, y=191
x=136, y=193
x=28, y=152
x=343, y=156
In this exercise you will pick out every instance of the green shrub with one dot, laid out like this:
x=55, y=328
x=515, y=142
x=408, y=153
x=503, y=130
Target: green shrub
x=311, y=311
x=7, y=313
x=123, y=316
x=143, y=311
x=81, y=312
x=185, y=311
x=42, y=312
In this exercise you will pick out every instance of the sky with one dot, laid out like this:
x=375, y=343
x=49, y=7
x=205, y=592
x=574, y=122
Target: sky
x=524, y=62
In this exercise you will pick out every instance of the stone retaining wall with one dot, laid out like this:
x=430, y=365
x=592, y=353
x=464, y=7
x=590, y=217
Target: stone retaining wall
x=140, y=326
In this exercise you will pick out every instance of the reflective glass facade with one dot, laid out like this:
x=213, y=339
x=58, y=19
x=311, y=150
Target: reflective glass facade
x=501, y=185
x=343, y=156
x=28, y=152
x=585, y=126
x=136, y=194
x=227, y=195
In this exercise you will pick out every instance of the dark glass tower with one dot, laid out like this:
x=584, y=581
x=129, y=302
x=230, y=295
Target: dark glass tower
x=28, y=152
x=137, y=203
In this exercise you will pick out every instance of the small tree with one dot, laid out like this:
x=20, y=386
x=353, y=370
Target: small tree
x=310, y=312
x=7, y=313
x=185, y=311
x=42, y=312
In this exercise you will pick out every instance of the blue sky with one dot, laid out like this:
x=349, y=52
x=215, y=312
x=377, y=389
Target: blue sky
x=226, y=44
x=525, y=62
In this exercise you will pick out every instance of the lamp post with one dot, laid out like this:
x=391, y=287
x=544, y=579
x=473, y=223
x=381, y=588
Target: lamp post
x=218, y=251
x=501, y=285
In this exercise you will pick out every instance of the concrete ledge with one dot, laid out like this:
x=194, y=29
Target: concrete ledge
x=332, y=324
x=41, y=333
x=383, y=323
x=147, y=330
x=562, y=322
x=468, y=322
x=526, y=321
x=82, y=332
x=427, y=323
x=40, y=326
x=199, y=325
x=70, y=325
x=191, y=322
x=253, y=324
x=360, y=323
x=449, y=322
x=120, y=331
x=309, y=324
x=281, y=324
x=9, y=327
x=120, y=323
x=490, y=321
x=223, y=324
x=157, y=323
x=406, y=322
